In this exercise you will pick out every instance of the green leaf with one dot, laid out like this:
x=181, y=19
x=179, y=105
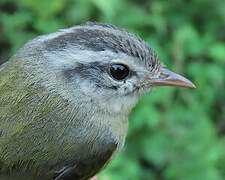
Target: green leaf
x=217, y=52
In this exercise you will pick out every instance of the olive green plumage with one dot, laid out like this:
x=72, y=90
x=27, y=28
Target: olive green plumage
x=23, y=110
x=34, y=126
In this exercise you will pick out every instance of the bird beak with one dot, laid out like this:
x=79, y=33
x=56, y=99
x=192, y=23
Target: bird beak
x=169, y=78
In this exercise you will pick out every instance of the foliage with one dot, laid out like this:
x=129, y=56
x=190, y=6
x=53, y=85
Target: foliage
x=174, y=133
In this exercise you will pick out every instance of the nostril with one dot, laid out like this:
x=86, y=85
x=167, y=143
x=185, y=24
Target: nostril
x=163, y=75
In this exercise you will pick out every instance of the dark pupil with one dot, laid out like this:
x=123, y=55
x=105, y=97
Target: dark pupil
x=119, y=71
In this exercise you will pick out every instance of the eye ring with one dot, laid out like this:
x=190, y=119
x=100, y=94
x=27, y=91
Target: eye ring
x=119, y=71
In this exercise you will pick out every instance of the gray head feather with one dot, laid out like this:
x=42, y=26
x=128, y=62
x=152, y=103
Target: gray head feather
x=100, y=37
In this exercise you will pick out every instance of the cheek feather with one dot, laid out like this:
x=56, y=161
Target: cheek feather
x=122, y=104
x=126, y=89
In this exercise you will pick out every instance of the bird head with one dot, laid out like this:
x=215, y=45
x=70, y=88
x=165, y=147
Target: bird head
x=102, y=63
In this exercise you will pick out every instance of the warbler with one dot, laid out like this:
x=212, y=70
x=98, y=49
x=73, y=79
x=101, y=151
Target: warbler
x=65, y=100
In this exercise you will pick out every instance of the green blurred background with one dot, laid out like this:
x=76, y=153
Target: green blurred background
x=174, y=133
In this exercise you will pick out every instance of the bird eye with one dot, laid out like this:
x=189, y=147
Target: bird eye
x=119, y=71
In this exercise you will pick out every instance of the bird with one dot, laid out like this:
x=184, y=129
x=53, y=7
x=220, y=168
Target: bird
x=65, y=100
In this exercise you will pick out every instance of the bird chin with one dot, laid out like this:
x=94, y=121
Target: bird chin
x=142, y=90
